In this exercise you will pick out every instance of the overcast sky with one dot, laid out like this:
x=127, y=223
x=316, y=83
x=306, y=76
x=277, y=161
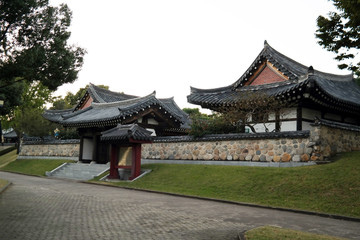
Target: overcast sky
x=138, y=46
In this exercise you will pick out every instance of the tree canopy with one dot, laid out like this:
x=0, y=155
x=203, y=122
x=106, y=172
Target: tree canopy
x=34, y=44
x=27, y=117
x=340, y=33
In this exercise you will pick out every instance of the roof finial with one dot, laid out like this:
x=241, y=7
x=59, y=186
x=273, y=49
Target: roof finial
x=266, y=43
x=311, y=70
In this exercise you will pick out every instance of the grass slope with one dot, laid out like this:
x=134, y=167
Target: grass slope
x=36, y=167
x=274, y=233
x=332, y=188
x=8, y=157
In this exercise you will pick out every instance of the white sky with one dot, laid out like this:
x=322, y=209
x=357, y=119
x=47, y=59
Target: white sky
x=138, y=46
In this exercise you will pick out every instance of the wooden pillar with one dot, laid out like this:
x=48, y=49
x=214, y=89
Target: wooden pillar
x=136, y=161
x=114, y=172
x=81, y=148
x=277, y=122
x=95, y=147
x=299, y=118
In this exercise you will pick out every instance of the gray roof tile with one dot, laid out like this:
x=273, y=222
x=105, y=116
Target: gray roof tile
x=110, y=108
x=126, y=133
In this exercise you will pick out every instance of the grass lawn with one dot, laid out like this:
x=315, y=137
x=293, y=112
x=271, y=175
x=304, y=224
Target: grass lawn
x=36, y=167
x=8, y=157
x=269, y=233
x=331, y=188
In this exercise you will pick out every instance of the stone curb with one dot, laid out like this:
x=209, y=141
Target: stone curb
x=334, y=216
x=241, y=235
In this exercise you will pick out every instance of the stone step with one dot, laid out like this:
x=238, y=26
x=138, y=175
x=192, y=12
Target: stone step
x=79, y=171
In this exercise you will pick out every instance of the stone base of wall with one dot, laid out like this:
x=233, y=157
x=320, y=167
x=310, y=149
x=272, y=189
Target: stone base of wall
x=54, y=149
x=259, y=150
x=332, y=138
x=325, y=139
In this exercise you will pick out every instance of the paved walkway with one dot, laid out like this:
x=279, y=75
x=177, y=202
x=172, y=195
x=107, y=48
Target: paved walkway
x=41, y=208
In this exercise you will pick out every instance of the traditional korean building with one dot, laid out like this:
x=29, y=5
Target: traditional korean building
x=310, y=94
x=100, y=110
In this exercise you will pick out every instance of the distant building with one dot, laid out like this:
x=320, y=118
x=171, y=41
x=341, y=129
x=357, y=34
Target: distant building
x=100, y=110
x=310, y=93
x=10, y=136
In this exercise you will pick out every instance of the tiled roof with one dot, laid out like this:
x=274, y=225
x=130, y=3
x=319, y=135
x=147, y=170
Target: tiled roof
x=39, y=141
x=56, y=115
x=344, y=126
x=101, y=95
x=126, y=133
x=111, y=108
x=234, y=136
x=340, y=88
x=11, y=134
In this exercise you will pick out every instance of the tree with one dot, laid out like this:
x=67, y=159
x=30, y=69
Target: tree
x=33, y=44
x=27, y=117
x=12, y=97
x=202, y=123
x=247, y=110
x=216, y=123
x=250, y=109
x=30, y=121
x=339, y=33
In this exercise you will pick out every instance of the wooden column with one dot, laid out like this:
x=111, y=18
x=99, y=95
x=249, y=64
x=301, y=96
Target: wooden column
x=277, y=122
x=299, y=118
x=136, y=161
x=95, y=146
x=114, y=172
x=81, y=148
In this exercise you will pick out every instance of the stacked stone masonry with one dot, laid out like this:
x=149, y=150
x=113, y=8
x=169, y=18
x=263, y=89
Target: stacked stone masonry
x=264, y=150
x=330, y=140
x=53, y=150
x=322, y=142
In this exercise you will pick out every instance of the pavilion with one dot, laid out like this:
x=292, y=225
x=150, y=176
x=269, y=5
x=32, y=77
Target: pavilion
x=100, y=110
x=309, y=93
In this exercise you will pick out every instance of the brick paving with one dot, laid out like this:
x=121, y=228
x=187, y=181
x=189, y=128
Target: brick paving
x=40, y=208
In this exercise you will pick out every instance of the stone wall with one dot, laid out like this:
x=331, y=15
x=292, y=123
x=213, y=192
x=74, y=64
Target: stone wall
x=52, y=149
x=331, y=138
x=264, y=147
x=325, y=139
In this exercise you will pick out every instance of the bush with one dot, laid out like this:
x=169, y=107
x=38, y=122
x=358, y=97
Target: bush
x=216, y=124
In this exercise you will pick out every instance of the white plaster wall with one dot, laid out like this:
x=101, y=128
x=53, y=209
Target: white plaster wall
x=288, y=113
x=272, y=117
x=261, y=128
x=306, y=126
x=288, y=126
